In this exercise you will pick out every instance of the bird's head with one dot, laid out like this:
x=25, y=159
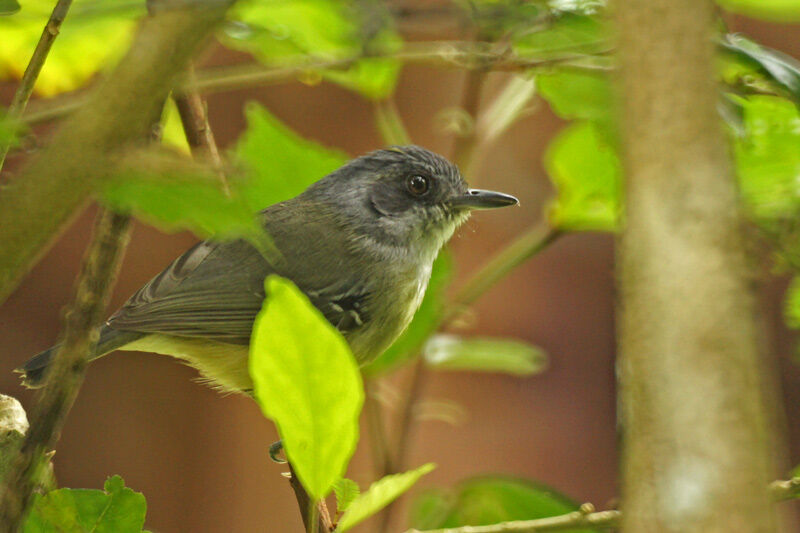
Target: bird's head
x=404, y=196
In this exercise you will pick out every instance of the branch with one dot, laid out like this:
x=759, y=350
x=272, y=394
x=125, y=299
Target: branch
x=26, y=84
x=35, y=206
x=313, y=520
x=584, y=517
x=65, y=375
x=194, y=117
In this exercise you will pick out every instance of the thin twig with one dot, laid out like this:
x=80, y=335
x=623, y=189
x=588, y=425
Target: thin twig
x=66, y=372
x=26, y=84
x=312, y=520
x=194, y=118
x=389, y=122
x=586, y=516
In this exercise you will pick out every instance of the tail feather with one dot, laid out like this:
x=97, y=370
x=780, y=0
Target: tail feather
x=110, y=339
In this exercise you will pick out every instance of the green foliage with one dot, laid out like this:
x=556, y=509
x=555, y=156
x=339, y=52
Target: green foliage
x=379, y=495
x=9, y=131
x=115, y=509
x=566, y=35
x=8, y=7
x=574, y=94
x=307, y=381
x=95, y=33
x=346, y=491
x=585, y=171
x=791, y=312
x=280, y=33
x=760, y=67
x=279, y=164
x=172, y=133
x=776, y=10
x=488, y=500
x=425, y=322
x=483, y=354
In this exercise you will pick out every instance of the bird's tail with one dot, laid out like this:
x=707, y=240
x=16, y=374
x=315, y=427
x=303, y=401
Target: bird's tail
x=110, y=339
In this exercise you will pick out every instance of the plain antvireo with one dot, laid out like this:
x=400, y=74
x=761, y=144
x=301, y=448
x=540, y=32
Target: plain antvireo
x=359, y=243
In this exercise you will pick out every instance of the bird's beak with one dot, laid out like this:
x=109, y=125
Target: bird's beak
x=480, y=199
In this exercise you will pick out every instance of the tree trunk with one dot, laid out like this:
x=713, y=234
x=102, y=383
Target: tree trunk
x=696, y=442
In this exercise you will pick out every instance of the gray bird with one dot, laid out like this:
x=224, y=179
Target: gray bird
x=359, y=243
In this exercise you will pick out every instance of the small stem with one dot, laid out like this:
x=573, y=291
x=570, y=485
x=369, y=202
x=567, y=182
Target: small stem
x=194, y=118
x=308, y=510
x=26, y=84
x=389, y=122
x=66, y=372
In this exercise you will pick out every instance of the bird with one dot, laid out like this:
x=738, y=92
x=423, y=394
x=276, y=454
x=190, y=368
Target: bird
x=359, y=243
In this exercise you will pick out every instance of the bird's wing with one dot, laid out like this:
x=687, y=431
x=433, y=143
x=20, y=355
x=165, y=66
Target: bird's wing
x=215, y=290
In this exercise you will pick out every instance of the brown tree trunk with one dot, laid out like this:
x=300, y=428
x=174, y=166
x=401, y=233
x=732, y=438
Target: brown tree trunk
x=696, y=441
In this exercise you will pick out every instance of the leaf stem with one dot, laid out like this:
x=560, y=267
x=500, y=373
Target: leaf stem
x=389, y=122
x=66, y=372
x=29, y=77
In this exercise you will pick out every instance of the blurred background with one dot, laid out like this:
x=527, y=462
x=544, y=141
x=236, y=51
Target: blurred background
x=201, y=458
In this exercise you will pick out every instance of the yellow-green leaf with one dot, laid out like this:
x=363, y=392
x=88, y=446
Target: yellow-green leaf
x=307, y=381
x=346, y=491
x=379, y=495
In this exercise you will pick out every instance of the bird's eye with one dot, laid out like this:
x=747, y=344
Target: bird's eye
x=417, y=185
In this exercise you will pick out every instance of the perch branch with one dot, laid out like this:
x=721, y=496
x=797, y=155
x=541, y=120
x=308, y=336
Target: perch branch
x=66, y=372
x=31, y=74
x=36, y=205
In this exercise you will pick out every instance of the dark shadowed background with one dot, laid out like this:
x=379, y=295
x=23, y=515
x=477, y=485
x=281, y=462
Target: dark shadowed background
x=201, y=458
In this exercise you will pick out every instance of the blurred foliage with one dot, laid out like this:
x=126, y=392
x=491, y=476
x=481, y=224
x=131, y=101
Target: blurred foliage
x=488, y=500
x=8, y=7
x=279, y=33
x=483, y=354
x=346, y=491
x=10, y=131
x=172, y=133
x=307, y=381
x=775, y=10
x=95, y=33
x=758, y=69
x=115, y=509
x=379, y=495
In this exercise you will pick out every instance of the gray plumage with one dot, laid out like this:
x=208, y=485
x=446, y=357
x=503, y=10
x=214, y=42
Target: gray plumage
x=359, y=243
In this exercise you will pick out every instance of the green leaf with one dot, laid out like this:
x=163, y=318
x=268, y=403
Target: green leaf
x=450, y=352
x=568, y=35
x=488, y=500
x=94, y=35
x=115, y=509
x=279, y=163
x=172, y=133
x=8, y=7
x=585, y=171
x=307, y=31
x=346, y=491
x=791, y=305
x=782, y=11
x=379, y=495
x=577, y=95
x=781, y=68
x=424, y=323
x=307, y=381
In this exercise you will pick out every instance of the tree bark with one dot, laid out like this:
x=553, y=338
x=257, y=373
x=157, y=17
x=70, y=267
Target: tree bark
x=696, y=442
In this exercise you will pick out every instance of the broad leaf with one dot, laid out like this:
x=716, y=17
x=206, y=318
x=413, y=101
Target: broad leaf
x=94, y=34
x=279, y=164
x=307, y=381
x=450, y=352
x=585, y=171
x=279, y=33
x=424, y=323
x=8, y=7
x=577, y=95
x=115, y=509
x=570, y=34
x=781, y=68
x=379, y=495
x=346, y=491
x=782, y=11
x=488, y=500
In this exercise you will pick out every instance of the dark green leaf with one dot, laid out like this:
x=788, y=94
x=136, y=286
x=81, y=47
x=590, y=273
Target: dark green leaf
x=782, y=11
x=424, y=323
x=279, y=163
x=115, y=509
x=308, y=31
x=8, y=7
x=449, y=352
x=489, y=500
x=346, y=491
x=585, y=171
x=379, y=495
x=307, y=381
x=785, y=70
